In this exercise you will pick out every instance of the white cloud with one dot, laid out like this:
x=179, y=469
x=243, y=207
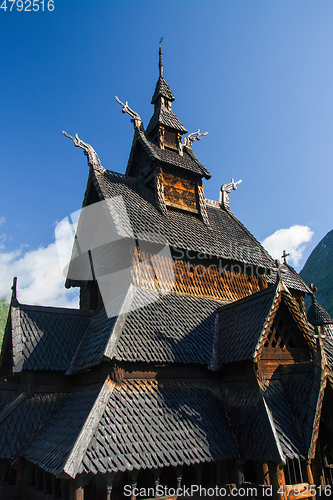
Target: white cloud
x=2, y=220
x=40, y=279
x=293, y=240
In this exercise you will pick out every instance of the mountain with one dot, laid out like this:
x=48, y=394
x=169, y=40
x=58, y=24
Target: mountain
x=318, y=270
x=3, y=319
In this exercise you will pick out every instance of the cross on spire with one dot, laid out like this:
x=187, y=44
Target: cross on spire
x=313, y=288
x=284, y=257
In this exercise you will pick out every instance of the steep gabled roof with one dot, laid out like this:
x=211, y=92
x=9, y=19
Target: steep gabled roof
x=285, y=426
x=139, y=424
x=226, y=237
x=165, y=117
x=243, y=326
x=155, y=425
x=162, y=89
x=43, y=338
x=240, y=326
x=317, y=315
x=23, y=417
x=173, y=329
x=58, y=446
x=187, y=162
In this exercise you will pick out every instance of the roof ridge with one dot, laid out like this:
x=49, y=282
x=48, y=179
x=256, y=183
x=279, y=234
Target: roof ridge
x=74, y=458
x=252, y=296
x=53, y=309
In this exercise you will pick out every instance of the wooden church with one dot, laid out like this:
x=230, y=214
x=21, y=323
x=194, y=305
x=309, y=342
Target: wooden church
x=198, y=374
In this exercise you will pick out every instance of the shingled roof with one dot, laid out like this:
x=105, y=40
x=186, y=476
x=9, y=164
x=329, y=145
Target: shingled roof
x=165, y=117
x=43, y=338
x=243, y=325
x=188, y=161
x=133, y=425
x=286, y=428
x=139, y=424
x=317, y=315
x=174, y=329
x=22, y=417
x=162, y=89
x=226, y=237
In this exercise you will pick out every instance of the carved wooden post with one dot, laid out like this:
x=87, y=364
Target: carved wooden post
x=157, y=473
x=3, y=469
x=263, y=473
x=238, y=473
x=109, y=484
x=179, y=473
x=134, y=479
x=19, y=474
x=224, y=476
x=64, y=489
x=76, y=490
x=28, y=475
x=309, y=472
x=199, y=472
x=278, y=482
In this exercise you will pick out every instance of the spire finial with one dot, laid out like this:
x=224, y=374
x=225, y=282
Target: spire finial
x=160, y=63
x=14, y=288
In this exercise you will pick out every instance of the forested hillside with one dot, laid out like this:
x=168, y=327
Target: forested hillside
x=3, y=318
x=318, y=270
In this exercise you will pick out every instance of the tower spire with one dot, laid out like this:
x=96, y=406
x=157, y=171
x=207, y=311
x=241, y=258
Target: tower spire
x=160, y=63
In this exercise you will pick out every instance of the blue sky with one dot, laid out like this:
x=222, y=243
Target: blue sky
x=256, y=74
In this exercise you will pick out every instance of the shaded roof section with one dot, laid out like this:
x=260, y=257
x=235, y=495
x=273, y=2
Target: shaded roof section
x=248, y=419
x=317, y=315
x=290, y=278
x=22, y=417
x=162, y=89
x=174, y=329
x=226, y=237
x=53, y=444
x=187, y=162
x=148, y=425
x=165, y=117
x=297, y=386
x=243, y=325
x=44, y=338
x=287, y=431
x=239, y=327
x=138, y=424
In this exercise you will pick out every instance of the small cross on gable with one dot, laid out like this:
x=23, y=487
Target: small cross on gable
x=284, y=257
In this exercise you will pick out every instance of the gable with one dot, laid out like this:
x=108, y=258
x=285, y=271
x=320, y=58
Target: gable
x=285, y=342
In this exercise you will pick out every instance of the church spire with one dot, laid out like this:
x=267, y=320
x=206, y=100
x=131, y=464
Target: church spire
x=160, y=62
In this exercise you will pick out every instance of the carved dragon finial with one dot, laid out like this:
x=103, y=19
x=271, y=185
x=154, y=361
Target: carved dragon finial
x=192, y=137
x=89, y=151
x=226, y=189
x=126, y=109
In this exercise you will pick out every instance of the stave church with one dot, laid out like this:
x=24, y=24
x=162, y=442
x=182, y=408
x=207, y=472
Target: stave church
x=191, y=367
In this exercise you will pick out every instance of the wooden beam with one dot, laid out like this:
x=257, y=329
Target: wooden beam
x=76, y=490
x=278, y=481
